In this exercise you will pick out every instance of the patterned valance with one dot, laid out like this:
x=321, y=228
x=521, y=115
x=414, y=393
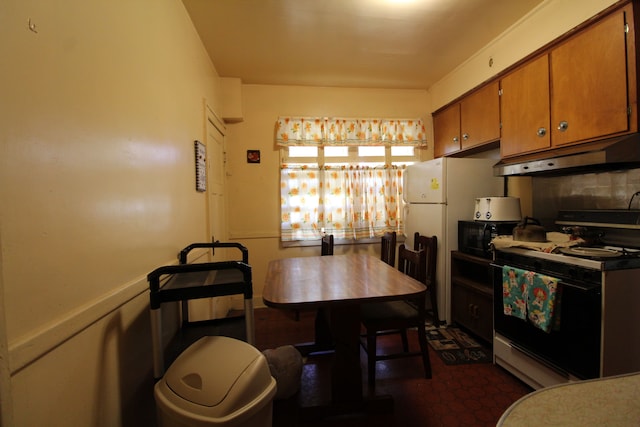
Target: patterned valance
x=330, y=131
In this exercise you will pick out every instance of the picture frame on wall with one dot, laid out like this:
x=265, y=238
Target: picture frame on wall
x=253, y=156
x=201, y=166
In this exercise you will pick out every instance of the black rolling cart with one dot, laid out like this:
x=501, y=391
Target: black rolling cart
x=184, y=282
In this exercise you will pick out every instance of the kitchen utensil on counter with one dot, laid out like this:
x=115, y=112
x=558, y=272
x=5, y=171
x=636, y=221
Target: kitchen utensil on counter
x=590, y=237
x=497, y=209
x=529, y=230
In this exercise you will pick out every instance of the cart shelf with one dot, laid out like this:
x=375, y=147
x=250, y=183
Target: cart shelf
x=185, y=282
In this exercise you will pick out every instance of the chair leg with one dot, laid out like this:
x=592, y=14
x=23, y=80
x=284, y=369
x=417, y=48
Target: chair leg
x=371, y=358
x=424, y=348
x=405, y=341
x=434, y=307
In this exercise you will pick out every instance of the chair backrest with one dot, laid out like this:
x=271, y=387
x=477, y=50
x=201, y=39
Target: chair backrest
x=412, y=263
x=388, y=248
x=327, y=245
x=430, y=245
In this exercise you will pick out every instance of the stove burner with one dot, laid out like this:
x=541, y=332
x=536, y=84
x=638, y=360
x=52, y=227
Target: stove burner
x=617, y=248
x=588, y=252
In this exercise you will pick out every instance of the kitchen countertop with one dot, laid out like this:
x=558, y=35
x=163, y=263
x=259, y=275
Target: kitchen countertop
x=554, y=240
x=610, y=401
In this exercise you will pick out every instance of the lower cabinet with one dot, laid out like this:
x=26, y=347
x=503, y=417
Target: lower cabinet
x=472, y=294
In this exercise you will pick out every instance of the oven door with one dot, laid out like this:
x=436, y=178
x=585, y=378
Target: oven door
x=573, y=347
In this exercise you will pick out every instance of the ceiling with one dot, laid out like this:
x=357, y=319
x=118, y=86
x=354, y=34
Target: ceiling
x=397, y=44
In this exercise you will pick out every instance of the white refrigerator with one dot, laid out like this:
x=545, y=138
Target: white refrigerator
x=437, y=194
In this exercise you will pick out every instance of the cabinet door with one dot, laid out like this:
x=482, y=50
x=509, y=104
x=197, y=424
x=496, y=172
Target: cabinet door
x=473, y=310
x=446, y=131
x=483, y=313
x=461, y=306
x=480, y=117
x=589, y=83
x=460, y=312
x=524, y=108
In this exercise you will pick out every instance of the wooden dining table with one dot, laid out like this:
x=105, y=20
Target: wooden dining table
x=339, y=284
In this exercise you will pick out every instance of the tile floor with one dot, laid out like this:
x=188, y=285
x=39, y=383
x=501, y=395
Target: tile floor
x=464, y=395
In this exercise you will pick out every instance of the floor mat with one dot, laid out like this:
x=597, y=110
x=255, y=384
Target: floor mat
x=456, y=347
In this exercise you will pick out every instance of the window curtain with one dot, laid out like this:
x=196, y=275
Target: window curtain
x=340, y=131
x=349, y=202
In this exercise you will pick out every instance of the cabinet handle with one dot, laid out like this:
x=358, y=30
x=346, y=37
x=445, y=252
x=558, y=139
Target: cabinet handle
x=465, y=136
x=542, y=132
x=563, y=126
x=455, y=139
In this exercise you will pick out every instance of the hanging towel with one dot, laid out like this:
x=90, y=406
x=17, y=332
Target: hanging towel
x=530, y=295
x=514, y=292
x=541, y=303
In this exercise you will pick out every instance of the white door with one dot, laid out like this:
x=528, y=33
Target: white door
x=216, y=182
x=214, y=308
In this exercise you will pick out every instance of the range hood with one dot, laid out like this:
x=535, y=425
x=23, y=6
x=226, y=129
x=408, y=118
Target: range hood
x=615, y=153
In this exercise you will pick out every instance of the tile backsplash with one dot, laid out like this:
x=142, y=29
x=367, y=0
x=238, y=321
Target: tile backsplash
x=602, y=190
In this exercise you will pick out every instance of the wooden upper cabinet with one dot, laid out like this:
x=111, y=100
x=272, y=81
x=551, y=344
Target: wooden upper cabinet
x=480, y=117
x=581, y=90
x=471, y=122
x=446, y=131
x=525, y=108
x=589, y=82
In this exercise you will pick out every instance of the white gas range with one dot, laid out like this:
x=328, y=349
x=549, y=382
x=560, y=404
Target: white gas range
x=598, y=331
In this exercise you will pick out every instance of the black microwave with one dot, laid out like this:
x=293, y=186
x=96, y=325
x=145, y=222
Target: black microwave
x=474, y=236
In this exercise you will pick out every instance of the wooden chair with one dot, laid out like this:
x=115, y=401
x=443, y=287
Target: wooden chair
x=324, y=338
x=388, y=248
x=325, y=249
x=430, y=243
x=395, y=317
x=327, y=245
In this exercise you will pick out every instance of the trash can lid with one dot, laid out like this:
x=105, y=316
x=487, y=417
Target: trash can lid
x=205, y=372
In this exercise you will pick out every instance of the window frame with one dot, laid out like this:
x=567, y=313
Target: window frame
x=320, y=160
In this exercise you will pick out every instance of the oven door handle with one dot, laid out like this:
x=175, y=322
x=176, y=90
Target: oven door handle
x=584, y=288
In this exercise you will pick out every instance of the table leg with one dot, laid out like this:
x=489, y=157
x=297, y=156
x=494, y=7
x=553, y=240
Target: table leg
x=347, y=396
x=346, y=384
x=324, y=339
x=323, y=342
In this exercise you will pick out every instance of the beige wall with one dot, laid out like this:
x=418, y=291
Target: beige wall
x=253, y=189
x=101, y=103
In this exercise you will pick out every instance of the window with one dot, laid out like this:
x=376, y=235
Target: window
x=352, y=192
x=344, y=176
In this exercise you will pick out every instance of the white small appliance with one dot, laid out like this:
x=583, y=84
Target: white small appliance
x=497, y=209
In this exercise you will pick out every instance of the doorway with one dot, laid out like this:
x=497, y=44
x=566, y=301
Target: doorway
x=214, y=308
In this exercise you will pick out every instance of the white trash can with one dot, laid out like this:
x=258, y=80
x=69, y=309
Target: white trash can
x=217, y=381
